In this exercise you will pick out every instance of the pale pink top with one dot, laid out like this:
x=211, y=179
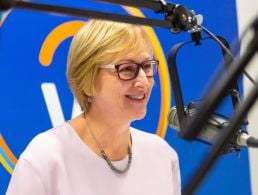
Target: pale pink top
x=57, y=162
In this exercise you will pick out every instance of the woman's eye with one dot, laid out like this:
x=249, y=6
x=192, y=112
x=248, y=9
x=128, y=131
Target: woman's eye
x=147, y=67
x=127, y=68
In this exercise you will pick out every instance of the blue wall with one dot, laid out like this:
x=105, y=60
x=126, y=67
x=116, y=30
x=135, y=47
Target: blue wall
x=23, y=109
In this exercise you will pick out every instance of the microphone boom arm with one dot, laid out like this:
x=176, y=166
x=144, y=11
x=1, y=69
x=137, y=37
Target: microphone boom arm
x=177, y=17
x=90, y=14
x=211, y=101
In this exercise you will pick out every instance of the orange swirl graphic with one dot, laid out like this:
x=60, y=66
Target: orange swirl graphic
x=68, y=29
x=57, y=36
x=163, y=72
x=11, y=160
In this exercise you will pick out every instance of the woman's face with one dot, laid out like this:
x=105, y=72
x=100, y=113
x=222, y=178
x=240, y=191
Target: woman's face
x=123, y=100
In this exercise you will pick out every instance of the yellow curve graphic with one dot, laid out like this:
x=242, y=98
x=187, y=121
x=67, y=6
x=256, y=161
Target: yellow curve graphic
x=68, y=29
x=11, y=159
x=163, y=72
x=55, y=37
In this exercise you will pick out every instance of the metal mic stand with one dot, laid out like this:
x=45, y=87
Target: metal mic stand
x=211, y=101
x=177, y=17
x=84, y=13
x=174, y=76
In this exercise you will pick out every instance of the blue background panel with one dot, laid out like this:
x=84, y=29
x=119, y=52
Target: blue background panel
x=23, y=109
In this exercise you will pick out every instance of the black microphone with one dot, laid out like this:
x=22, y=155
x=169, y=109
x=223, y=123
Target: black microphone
x=215, y=124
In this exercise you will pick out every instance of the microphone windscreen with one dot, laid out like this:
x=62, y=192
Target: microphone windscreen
x=173, y=118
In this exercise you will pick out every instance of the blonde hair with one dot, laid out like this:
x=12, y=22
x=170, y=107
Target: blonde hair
x=100, y=42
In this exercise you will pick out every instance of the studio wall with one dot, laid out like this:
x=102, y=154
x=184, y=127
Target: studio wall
x=35, y=95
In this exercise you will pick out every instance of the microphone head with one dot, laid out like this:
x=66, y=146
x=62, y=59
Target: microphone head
x=173, y=118
x=6, y=4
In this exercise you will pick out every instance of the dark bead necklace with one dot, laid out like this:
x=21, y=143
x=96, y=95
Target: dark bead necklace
x=104, y=155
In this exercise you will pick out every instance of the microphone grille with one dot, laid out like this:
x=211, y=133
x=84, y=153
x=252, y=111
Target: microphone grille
x=173, y=118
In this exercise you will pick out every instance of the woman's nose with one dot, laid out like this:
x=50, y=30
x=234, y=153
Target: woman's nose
x=142, y=80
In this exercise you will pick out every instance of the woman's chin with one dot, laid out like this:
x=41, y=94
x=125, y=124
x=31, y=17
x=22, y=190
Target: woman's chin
x=140, y=115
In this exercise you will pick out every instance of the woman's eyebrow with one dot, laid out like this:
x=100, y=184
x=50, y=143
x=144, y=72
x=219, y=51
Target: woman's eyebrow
x=134, y=61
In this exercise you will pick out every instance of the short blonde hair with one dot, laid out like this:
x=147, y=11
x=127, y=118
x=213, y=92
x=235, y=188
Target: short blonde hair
x=100, y=42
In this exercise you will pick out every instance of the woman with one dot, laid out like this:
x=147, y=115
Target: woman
x=110, y=72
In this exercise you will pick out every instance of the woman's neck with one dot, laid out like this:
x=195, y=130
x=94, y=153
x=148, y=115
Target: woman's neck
x=103, y=133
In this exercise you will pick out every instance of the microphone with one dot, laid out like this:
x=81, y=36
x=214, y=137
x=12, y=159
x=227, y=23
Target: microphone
x=215, y=124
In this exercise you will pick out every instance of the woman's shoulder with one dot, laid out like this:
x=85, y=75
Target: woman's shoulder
x=45, y=143
x=153, y=142
x=147, y=136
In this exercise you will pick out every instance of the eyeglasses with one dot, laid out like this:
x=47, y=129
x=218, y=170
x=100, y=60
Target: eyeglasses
x=129, y=70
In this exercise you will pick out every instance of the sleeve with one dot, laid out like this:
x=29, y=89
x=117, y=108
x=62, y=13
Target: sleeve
x=176, y=177
x=25, y=180
x=173, y=159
